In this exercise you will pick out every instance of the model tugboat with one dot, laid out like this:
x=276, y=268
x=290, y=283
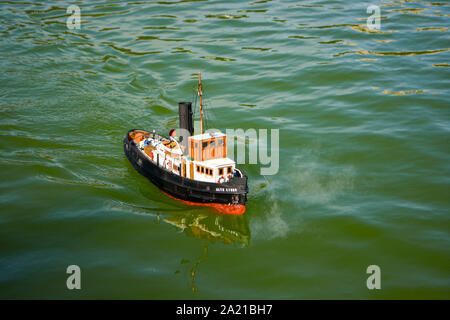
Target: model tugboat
x=194, y=169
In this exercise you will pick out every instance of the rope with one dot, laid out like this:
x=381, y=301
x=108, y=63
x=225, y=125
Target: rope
x=196, y=110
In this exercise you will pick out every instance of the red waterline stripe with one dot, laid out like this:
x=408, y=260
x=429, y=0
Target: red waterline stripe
x=234, y=209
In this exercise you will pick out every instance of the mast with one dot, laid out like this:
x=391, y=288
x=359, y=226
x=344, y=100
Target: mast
x=201, y=107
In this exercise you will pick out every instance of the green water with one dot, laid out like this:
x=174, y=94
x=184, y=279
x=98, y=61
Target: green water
x=364, y=124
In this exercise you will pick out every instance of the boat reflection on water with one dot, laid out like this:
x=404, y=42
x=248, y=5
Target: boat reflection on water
x=200, y=223
x=211, y=228
x=214, y=228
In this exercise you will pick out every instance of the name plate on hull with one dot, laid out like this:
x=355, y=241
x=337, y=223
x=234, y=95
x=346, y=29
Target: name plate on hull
x=226, y=189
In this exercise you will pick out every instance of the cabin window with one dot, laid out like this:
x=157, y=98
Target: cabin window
x=229, y=170
x=210, y=172
x=205, y=144
x=220, y=171
x=212, y=143
x=220, y=142
x=198, y=168
x=203, y=169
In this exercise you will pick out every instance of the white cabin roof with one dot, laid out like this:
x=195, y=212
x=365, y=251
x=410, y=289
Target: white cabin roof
x=214, y=163
x=207, y=135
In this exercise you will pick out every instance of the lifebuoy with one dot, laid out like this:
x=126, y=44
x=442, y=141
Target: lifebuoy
x=221, y=179
x=169, y=164
x=229, y=176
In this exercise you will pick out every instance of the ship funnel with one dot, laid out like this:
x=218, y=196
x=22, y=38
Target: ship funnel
x=185, y=113
x=186, y=126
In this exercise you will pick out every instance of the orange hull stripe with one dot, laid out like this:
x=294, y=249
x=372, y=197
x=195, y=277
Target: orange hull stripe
x=234, y=209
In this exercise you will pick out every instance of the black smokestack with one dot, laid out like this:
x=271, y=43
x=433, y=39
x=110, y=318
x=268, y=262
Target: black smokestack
x=185, y=113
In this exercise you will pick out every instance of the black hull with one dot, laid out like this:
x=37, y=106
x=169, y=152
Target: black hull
x=233, y=192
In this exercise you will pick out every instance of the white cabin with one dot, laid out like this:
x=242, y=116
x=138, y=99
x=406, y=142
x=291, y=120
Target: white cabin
x=206, y=161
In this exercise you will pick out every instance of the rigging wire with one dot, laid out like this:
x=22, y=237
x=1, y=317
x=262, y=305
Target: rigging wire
x=205, y=104
x=194, y=99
